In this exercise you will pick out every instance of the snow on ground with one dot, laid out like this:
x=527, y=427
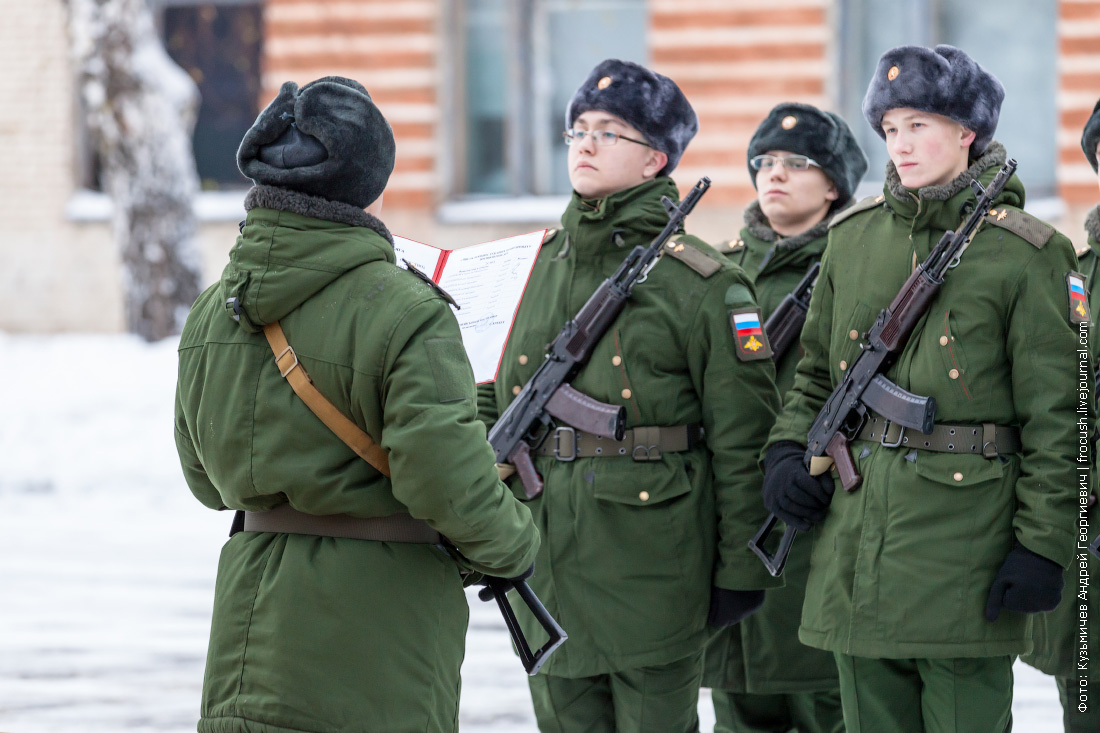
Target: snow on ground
x=107, y=564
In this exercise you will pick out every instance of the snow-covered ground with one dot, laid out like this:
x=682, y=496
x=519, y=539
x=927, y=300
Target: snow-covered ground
x=107, y=564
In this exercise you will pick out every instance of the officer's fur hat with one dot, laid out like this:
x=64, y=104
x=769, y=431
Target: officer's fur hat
x=646, y=100
x=1091, y=136
x=823, y=136
x=944, y=81
x=326, y=139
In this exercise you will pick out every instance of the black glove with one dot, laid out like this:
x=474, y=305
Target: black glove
x=1026, y=582
x=727, y=607
x=790, y=492
x=486, y=593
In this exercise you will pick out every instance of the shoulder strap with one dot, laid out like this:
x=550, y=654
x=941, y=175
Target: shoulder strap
x=1034, y=231
x=685, y=249
x=868, y=203
x=347, y=431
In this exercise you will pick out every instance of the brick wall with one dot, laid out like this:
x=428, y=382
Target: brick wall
x=392, y=47
x=1078, y=89
x=735, y=61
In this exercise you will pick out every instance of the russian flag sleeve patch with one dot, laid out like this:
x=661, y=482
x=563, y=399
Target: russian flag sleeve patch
x=748, y=334
x=1078, y=298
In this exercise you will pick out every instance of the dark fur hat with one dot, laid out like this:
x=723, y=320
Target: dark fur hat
x=944, y=81
x=646, y=100
x=326, y=139
x=1091, y=136
x=823, y=136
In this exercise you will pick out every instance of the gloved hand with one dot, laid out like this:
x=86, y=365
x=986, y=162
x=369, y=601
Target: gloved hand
x=505, y=584
x=728, y=607
x=1026, y=582
x=790, y=492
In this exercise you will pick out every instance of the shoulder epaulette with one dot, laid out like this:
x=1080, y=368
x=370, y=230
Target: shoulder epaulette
x=733, y=246
x=1082, y=249
x=868, y=203
x=1022, y=224
x=431, y=283
x=550, y=234
x=691, y=254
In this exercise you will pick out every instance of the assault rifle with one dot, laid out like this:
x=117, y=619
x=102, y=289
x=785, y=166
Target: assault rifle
x=529, y=419
x=865, y=386
x=785, y=323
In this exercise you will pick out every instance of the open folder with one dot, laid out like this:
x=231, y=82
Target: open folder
x=486, y=281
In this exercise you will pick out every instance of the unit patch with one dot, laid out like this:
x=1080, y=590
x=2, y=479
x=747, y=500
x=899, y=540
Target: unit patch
x=748, y=333
x=1078, y=299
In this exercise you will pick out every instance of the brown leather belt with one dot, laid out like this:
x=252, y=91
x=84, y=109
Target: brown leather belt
x=986, y=440
x=642, y=444
x=394, y=528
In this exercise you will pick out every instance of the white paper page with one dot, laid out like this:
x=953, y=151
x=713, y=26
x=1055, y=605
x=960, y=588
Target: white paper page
x=487, y=280
x=424, y=256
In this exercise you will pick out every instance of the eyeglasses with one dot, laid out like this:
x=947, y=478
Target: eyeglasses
x=603, y=138
x=790, y=162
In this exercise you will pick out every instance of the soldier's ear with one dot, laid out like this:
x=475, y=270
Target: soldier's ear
x=968, y=137
x=832, y=194
x=655, y=163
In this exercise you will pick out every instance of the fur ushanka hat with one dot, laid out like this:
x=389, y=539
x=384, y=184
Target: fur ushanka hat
x=326, y=139
x=944, y=81
x=806, y=130
x=1091, y=136
x=645, y=100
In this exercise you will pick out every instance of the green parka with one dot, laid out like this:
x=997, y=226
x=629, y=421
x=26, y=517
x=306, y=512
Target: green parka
x=762, y=654
x=317, y=633
x=631, y=549
x=1056, y=634
x=902, y=567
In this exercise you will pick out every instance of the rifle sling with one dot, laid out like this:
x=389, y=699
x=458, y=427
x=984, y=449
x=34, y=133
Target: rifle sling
x=566, y=443
x=347, y=431
x=987, y=440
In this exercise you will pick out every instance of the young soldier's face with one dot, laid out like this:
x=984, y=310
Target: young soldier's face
x=597, y=171
x=793, y=200
x=927, y=149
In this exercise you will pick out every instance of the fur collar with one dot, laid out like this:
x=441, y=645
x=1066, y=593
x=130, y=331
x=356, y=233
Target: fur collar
x=994, y=155
x=284, y=199
x=759, y=227
x=1092, y=224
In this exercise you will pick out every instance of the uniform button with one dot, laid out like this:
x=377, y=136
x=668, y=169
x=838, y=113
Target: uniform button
x=616, y=360
x=954, y=374
x=843, y=365
x=853, y=334
x=958, y=476
x=943, y=341
x=643, y=495
x=517, y=389
x=523, y=358
x=626, y=394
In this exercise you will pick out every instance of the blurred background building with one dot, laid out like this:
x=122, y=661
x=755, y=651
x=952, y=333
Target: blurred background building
x=476, y=92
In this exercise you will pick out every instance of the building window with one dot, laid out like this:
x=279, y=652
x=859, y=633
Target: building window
x=522, y=60
x=1023, y=55
x=219, y=45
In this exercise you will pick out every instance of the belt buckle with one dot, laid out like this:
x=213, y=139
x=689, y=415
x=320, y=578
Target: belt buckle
x=572, y=454
x=886, y=429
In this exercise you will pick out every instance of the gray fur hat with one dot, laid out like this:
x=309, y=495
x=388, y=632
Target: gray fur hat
x=823, y=136
x=1091, y=136
x=326, y=139
x=944, y=81
x=644, y=99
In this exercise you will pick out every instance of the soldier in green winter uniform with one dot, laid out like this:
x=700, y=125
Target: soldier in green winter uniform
x=644, y=541
x=922, y=579
x=313, y=629
x=1057, y=634
x=804, y=164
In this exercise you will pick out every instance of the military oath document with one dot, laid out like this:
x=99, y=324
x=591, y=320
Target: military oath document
x=485, y=283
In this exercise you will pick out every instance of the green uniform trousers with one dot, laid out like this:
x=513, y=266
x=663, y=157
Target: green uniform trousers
x=795, y=712
x=662, y=699
x=1074, y=720
x=963, y=695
